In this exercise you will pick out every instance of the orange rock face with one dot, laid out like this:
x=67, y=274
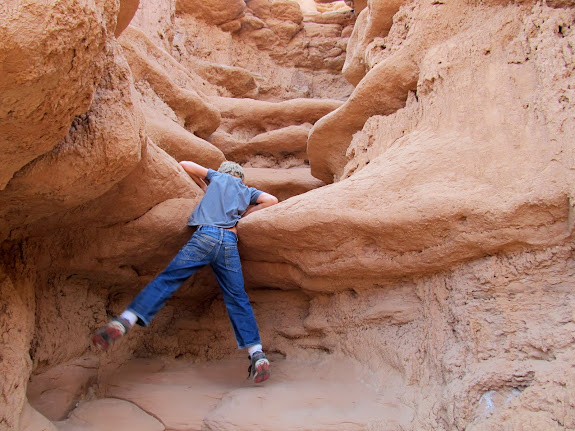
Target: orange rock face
x=417, y=273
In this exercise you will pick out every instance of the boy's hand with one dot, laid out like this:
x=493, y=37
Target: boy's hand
x=264, y=200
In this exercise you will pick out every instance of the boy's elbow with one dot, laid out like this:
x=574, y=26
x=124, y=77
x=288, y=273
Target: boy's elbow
x=271, y=200
x=266, y=200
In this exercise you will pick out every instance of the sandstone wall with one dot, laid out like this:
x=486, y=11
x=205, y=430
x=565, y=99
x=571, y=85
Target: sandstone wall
x=93, y=202
x=423, y=155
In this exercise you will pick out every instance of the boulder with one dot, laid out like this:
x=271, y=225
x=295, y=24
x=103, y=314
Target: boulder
x=50, y=69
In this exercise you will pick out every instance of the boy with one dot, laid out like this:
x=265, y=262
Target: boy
x=214, y=242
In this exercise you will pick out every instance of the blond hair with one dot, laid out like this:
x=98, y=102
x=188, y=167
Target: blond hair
x=232, y=168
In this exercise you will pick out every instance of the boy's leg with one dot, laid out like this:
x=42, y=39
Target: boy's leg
x=193, y=256
x=228, y=271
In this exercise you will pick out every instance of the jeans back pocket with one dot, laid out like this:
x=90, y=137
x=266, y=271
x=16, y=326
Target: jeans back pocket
x=232, y=258
x=199, y=246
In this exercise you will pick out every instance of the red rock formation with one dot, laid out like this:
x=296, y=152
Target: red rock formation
x=428, y=286
x=50, y=69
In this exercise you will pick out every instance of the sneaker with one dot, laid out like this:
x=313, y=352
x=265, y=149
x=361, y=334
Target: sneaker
x=259, y=368
x=113, y=330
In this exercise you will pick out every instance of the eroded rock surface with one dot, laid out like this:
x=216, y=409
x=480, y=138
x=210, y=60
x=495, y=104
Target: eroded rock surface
x=224, y=400
x=416, y=275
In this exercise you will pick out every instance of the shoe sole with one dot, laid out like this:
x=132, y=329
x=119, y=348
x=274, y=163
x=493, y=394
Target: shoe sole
x=100, y=342
x=262, y=371
x=103, y=338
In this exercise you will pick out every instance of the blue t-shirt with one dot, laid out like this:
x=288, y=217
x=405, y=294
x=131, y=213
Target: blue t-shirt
x=225, y=201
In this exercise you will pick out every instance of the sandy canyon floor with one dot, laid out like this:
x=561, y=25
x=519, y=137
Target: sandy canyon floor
x=314, y=394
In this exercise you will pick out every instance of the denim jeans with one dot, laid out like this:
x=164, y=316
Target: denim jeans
x=218, y=248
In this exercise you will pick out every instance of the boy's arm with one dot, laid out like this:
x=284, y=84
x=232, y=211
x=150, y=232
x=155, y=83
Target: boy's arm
x=264, y=200
x=197, y=172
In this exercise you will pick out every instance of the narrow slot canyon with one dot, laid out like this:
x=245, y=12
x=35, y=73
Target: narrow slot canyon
x=417, y=273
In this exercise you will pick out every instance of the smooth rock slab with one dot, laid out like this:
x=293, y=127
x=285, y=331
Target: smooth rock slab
x=324, y=393
x=109, y=414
